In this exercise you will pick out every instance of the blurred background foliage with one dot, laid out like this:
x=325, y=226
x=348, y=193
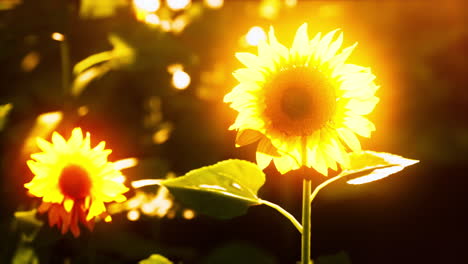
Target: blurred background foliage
x=127, y=94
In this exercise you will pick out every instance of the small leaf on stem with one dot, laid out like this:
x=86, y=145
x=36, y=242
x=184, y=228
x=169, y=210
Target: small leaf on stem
x=368, y=166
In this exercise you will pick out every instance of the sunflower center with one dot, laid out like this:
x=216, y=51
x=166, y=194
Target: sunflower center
x=299, y=101
x=74, y=182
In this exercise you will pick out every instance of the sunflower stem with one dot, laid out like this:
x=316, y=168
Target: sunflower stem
x=306, y=204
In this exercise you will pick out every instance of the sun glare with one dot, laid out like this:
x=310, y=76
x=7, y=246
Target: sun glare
x=255, y=35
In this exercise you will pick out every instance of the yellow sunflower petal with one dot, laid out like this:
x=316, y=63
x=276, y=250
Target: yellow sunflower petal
x=59, y=142
x=36, y=168
x=300, y=46
x=318, y=162
x=248, y=59
x=68, y=205
x=360, y=125
x=76, y=138
x=97, y=207
x=247, y=136
x=339, y=59
x=45, y=158
x=322, y=47
x=281, y=50
x=334, y=47
x=350, y=139
x=44, y=145
x=248, y=75
x=362, y=107
x=285, y=163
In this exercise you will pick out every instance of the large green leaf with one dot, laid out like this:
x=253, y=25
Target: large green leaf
x=223, y=190
x=155, y=259
x=367, y=166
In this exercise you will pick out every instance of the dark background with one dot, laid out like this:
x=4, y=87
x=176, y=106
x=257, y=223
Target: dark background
x=417, y=50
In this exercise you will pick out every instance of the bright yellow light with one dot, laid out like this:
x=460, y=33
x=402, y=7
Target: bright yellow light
x=147, y=5
x=50, y=119
x=152, y=19
x=162, y=135
x=179, y=24
x=174, y=67
x=57, y=36
x=178, y=4
x=133, y=215
x=376, y=175
x=142, y=183
x=136, y=201
x=269, y=9
x=108, y=219
x=290, y=3
x=215, y=4
x=125, y=163
x=180, y=80
x=188, y=214
x=255, y=35
x=148, y=208
x=166, y=25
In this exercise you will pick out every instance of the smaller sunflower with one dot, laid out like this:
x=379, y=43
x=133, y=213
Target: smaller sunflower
x=304, y=105
x=74, y=181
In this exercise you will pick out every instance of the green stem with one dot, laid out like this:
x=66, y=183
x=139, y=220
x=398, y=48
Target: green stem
x=306, y=195
x=306, y=223
x=285, y=213
x=65, y=56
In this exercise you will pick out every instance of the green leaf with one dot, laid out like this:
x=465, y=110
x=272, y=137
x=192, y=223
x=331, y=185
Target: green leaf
x=223, y=190
x=155, y=259
x=99, y=64
x=122, y=54
x=28, y=223
x=28, y=217
x=25, y=255
x=367, y=166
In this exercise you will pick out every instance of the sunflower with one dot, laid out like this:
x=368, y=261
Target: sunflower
x=302, y=102
x=74, y=181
